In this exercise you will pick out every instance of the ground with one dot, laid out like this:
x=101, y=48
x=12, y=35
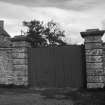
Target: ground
x=21, y=96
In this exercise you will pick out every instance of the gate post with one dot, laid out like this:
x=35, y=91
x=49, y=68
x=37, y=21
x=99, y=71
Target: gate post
x=20, y=54
x=94, y=58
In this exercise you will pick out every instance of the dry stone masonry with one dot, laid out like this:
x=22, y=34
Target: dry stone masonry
x=13, y=60
x=6, y=66
x=94, y=58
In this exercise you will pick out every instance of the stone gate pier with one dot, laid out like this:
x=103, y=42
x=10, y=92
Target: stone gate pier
x=95, y=56
x=20, y=58
x=14, y=60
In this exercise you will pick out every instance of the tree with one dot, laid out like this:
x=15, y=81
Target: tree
x=44, y=34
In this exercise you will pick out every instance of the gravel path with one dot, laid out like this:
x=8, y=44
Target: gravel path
x=31, y=99
x=51, y=97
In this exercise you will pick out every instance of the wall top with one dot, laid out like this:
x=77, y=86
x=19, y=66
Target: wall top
x=21, y=38
x=92, y=32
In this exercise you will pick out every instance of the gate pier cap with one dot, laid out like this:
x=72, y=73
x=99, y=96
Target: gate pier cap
x=92, y=32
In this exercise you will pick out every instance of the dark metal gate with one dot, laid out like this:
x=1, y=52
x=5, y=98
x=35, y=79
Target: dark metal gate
x=57, y=67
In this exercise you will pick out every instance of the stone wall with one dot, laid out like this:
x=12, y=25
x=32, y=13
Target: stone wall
x=14, y=60
x=6, y=66
x=6, y=62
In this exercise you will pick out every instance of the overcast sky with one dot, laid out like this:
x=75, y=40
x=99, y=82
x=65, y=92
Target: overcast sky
x=74, y=16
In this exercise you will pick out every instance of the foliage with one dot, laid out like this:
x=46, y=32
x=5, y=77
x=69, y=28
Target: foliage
x=41, y=34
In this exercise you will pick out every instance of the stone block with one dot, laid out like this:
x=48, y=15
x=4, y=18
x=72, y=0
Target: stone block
x=95, y=85
x=94, y=72
x=94, y=65
x=93, y=39
x=5, y=41
x=94, y=58
x=19, y=55
x=20, y=67
x=5, y=80
x=16, y=82
x=20, y=61
x=92, y=79
x=93, y=45
x=5, y=50
x=21, y=81
x=21, y=44
x=21, y=73
x=94, y=52
x=6, y=54
x=19, y=49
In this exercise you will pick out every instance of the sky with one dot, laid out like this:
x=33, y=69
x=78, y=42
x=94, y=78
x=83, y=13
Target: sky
x=74, y=16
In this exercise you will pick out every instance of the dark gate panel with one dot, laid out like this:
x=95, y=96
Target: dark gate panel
x=56, y=67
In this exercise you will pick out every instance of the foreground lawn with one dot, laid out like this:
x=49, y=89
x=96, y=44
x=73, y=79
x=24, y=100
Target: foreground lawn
x=17, y=96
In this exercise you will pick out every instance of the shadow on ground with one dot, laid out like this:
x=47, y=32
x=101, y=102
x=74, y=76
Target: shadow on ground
x=67, y=96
